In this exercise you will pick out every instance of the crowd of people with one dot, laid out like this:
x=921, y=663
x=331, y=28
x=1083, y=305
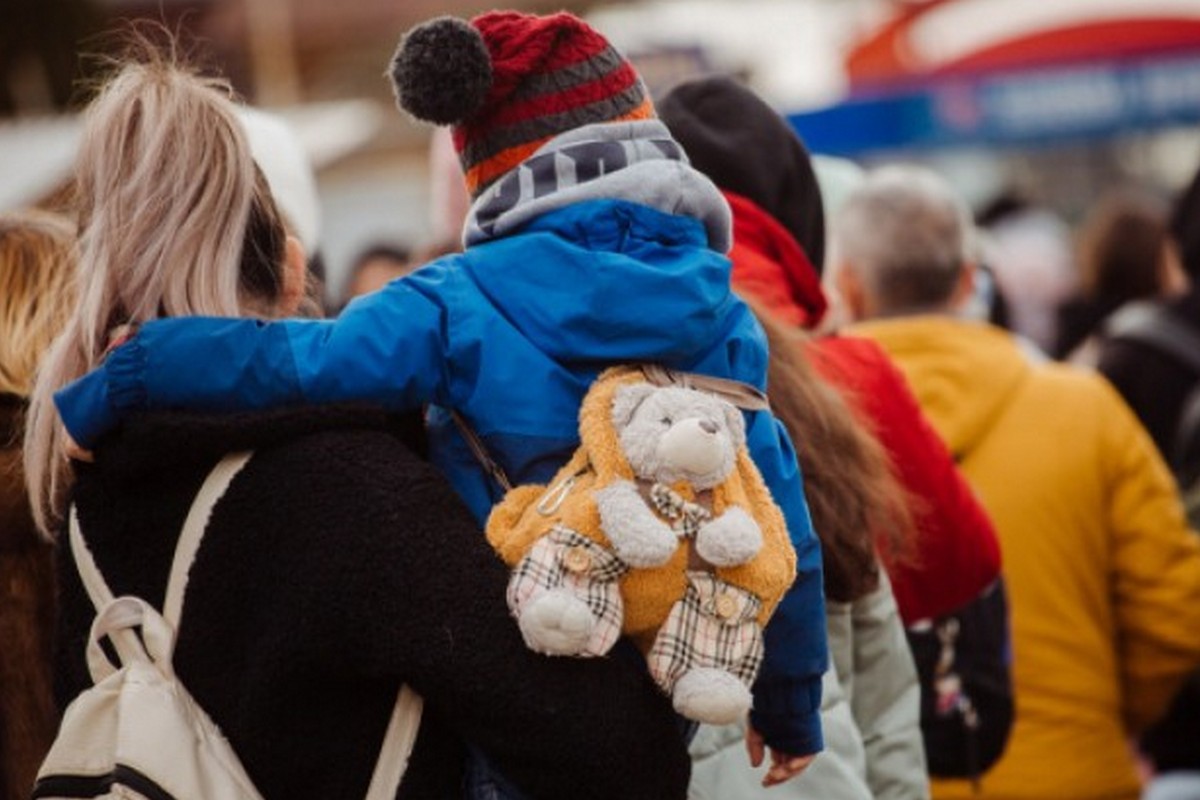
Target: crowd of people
x=992, y=569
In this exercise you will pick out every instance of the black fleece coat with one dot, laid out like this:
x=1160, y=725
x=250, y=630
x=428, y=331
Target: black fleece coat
x=338, y=565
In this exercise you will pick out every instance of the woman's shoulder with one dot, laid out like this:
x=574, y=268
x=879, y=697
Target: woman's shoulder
x=368, y=473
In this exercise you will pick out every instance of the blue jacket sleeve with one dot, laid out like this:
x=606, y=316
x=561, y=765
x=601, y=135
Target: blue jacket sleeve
x=388, y=348
x=787, y=694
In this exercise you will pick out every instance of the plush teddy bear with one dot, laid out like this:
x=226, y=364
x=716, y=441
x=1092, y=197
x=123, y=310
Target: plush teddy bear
x=659, y=527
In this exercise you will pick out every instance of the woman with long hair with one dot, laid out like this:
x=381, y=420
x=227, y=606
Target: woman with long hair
x=338, y=565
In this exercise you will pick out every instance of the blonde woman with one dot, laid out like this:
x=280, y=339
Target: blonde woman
x=36, y=258
x=339, y=564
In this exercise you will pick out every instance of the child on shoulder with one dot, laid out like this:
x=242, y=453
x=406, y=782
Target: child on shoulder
x=590, y=242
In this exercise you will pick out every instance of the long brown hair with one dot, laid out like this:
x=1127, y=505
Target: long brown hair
x=856, y=503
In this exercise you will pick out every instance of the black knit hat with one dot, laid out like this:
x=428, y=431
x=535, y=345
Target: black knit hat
x=745, y=147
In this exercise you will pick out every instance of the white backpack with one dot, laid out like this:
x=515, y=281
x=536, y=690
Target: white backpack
x=137, y=733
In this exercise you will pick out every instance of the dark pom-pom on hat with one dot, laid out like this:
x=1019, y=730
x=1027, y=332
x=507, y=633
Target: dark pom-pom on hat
x=507, y=82
x=442, y=71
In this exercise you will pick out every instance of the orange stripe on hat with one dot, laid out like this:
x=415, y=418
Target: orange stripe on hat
x=486, y=172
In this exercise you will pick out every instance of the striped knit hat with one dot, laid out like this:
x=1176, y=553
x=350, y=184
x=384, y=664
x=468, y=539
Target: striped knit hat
x=507, y=82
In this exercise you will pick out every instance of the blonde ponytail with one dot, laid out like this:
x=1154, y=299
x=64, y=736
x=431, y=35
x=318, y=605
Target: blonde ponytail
x=174, y=219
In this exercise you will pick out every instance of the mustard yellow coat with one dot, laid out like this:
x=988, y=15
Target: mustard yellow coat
x=1103, y=575
x=648, y=593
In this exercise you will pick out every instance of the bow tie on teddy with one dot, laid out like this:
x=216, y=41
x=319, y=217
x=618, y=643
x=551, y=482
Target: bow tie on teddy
x=685, y=516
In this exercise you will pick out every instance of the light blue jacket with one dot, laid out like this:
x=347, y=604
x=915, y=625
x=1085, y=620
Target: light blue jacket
x=510, y=334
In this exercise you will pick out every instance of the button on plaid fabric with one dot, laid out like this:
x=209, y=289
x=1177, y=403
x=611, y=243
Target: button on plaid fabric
x=565, y=559
x=714, y=625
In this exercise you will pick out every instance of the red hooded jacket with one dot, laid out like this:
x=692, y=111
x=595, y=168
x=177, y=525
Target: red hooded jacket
x=957, y=552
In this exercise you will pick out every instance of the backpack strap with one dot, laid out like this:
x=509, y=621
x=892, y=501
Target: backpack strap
x=738, y=393
x=397, y=745
x=212, y=490
x=1155, y=326
x=405, y=721
x=1185, y=455
x=123, y=639
x=480, y=451
x=89, y=573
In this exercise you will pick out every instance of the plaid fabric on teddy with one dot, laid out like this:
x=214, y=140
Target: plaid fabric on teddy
x=713, y=625
x=565, y=559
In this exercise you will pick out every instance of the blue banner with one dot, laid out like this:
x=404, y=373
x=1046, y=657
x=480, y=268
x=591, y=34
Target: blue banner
x=1016, y=108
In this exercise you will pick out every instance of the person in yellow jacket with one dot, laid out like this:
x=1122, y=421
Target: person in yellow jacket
x=1102, y=571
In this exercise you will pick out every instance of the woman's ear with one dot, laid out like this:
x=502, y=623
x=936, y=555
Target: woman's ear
x=295, y=277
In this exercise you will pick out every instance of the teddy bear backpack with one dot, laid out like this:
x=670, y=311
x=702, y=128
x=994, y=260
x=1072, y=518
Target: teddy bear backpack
x=137, y=734
x=659, y=528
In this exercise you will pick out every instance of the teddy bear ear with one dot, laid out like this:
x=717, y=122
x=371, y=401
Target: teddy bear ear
x=626, y=402
x=736, y=421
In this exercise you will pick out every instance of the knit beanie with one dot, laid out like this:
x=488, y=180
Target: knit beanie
x=745, y=147
x=507, y=82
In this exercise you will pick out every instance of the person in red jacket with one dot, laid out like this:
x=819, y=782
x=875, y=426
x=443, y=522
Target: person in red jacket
x=766, y=174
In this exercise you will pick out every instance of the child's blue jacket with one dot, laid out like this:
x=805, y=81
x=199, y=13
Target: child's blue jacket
x=510, y=334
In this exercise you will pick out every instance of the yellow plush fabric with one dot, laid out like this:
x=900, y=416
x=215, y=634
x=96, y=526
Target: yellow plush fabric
x=516, y=523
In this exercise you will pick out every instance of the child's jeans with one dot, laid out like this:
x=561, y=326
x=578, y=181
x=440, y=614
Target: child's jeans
x=483, y=782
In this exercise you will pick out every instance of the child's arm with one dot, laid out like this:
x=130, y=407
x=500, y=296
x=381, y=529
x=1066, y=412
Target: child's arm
x=787, y=694
x=387, y=348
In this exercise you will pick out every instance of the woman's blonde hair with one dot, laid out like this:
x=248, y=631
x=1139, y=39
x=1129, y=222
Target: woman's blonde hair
x=174, y=219
x=37, y=255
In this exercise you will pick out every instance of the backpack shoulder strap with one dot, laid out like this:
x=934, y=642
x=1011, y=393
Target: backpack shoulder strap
x=397, y=745
x=738, y=393
x=405, y=721
x=93, y=581
x=1185, y=455
x=1153, y=325
x=211, y=491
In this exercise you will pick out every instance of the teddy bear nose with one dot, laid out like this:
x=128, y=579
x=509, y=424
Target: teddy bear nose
x=708, y=426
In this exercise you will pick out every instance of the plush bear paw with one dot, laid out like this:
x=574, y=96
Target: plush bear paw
x=557, y=623
x=711, y=696
x=731, y=539
x=639, y=537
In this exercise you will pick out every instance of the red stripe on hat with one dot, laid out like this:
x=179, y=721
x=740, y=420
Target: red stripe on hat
x=524, y=44
x=613, y=83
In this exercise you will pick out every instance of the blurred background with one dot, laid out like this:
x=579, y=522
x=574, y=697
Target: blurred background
x=1027, y=105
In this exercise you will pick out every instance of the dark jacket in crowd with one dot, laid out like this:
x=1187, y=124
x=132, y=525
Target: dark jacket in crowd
x=337, y=566
x=1154, y=383
x=27, y=713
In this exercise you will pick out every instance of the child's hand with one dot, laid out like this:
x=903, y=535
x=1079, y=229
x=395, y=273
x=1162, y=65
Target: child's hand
x=74, y=451
x=784, y=766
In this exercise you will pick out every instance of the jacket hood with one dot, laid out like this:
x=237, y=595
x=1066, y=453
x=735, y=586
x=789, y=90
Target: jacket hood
x=963, y=373
x=608, y=281
x=770, y=266
x=635, y=161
